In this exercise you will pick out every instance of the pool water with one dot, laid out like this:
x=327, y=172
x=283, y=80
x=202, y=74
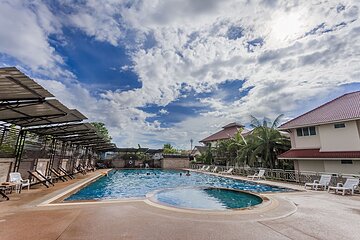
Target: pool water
x=207, y=198
x=137, y=183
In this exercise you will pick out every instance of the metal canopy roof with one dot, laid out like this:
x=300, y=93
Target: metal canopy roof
x=14, y=85
x=79, y=136
x=132, y=150
x=90, y=142
x=105, y=147
x=63, y=130
x=72, y=115
x=27, y=114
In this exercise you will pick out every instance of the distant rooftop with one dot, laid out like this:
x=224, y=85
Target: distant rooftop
x=227, y=132
x=234, y=124
x=343, y=108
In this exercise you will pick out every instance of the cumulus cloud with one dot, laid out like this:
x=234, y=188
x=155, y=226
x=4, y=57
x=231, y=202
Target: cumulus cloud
x=25, y=36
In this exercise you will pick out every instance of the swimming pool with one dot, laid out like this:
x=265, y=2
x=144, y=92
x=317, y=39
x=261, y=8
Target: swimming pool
x=206, y=198
x=137, y=183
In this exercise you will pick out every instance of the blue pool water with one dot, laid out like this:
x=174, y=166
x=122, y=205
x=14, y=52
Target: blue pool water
x=207, y=198
x=136, y=184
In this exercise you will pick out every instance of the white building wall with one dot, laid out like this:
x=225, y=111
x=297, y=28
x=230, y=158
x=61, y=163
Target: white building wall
x=340, y=139
x=311, y=165
x=335, y=166
x=305, y=142
x=329, y=166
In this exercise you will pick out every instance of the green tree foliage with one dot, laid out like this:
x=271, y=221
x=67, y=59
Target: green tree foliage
x=101, y=128
x=169, y=149
x=7, y=147
x=263, y=144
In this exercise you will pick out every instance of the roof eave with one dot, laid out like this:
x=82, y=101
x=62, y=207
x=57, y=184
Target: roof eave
x=318, y=124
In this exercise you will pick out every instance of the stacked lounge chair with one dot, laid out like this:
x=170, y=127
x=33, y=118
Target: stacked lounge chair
x=59, y=175
x=40, y=178
x=66, y=173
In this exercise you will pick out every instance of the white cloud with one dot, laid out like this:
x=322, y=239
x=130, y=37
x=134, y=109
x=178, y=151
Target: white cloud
x=163, y=111
x=26, y=27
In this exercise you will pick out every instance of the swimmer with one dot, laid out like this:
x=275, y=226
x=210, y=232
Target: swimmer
x=180, y=174
x=188, y=173
x=147, y=173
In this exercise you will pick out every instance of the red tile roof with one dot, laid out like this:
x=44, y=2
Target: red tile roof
x=227, y=132
x=345, y=107
x=316, y=154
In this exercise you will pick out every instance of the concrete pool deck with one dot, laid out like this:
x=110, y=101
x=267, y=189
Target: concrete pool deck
x=298, y=215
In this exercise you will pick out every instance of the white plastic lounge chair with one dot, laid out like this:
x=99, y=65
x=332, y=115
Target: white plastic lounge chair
x=349, y=185
x=258, y=176
x=229, y=171
x=202, y=168
x=207, y=168
x=323, y=183
x=215, y=169
x=15, y=177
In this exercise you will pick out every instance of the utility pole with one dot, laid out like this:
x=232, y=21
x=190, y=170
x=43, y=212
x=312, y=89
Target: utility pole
x=191, y=143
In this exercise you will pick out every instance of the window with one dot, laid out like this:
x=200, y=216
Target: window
x=306, y=131
x=339, y=125
x=312, y=131
x=346, y=162
x=299, y=132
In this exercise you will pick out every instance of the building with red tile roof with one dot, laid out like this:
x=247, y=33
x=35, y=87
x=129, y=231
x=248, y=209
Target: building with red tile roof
x=327, y=138
x=228, y=131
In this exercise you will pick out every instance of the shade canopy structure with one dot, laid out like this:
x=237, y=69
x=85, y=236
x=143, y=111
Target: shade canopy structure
x=105, y=147
x=83, y=134
x=64, y=129
x=79, y=137
x=16, y=86
x=26, y=104
x=34, y=114
x=72, y=115
x=132, y=150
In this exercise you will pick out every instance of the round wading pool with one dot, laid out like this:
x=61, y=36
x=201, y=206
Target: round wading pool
x=206, y=198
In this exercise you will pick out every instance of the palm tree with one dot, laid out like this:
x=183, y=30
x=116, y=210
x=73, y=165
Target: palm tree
x=236, y=146
x=266, y=142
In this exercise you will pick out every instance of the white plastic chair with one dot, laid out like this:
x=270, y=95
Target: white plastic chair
x=323, y=183
x=349, y=185
x=258, y=175
x=215, y=169
x=15, y=177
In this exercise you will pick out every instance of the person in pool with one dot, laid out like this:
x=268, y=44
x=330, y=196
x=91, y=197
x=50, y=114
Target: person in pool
x=187, y=173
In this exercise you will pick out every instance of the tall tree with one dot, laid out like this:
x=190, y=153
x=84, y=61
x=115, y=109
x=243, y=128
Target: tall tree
x=266, y=142
x=168, y=148
x=101, y=128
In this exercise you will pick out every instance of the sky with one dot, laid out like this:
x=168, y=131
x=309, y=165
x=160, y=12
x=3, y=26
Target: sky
x=167, y=71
